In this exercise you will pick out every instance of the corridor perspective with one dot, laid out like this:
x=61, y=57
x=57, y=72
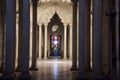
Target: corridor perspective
x=59, y=39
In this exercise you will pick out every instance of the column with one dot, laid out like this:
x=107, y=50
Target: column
x=45, y=48
x=83, y=36
x=74, y=37
x=117, y=3
x=70, y=41
x=65, y=40
x=0, y=35
x=40, y=41
x=87, y=35
x=10, y=40
x=25, y=40
x=37, y=43
x=2, y=32
x=97, y=38
x=19, y=37
x=34, y=38
x=106, y=49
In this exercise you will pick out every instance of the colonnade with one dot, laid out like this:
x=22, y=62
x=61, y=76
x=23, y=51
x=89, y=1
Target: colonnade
x=10, y=39
x=84, y=46
x=45, y=43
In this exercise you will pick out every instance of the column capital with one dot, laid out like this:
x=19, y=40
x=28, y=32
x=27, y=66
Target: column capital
x=45, y=24
x=65, y=24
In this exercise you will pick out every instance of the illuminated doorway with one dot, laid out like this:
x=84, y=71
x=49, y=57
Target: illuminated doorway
x=55, y=46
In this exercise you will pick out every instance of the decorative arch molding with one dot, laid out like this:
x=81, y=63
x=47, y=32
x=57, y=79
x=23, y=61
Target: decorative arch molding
x=55, y=21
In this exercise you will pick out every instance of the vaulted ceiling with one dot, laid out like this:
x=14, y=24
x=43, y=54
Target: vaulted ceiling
x=48, y=9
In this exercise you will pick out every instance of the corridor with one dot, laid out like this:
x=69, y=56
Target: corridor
x=54, y=69
x=85, y=31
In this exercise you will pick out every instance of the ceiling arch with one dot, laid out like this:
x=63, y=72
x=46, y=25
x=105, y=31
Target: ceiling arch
x=47, y=10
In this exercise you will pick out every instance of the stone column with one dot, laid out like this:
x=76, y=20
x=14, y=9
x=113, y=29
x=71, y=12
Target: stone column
x=97, y=38
x=87, y=35
x=2, y=32
x=10, y=40
x=74, y=37
x=45, y=48
x=70, y=41
x=117, y=38
x=0, y=35
x=65, y=40
x=37, y=40
x=84, y=38
x=25, y=40
x=40, y=42
x=19, y=37
x=34, y=38
x=106, y=49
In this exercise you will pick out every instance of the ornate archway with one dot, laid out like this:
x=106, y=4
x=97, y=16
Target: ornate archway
x=55, y=28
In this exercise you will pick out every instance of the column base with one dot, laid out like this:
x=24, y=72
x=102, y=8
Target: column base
x=74, y=68
x=8, y=77
x=24, y=76
x=34, y=68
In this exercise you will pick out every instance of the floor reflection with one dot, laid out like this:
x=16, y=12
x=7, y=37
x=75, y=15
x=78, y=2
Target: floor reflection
x=54, y=70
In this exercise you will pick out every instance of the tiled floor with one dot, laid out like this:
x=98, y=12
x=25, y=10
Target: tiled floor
x=54, y=70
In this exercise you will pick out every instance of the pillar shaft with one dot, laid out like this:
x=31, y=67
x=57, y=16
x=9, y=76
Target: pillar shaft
x=34, y=38
x=2, y=32
x=65, y=41
x=74, y=37
x=19, y=36
x=37, y=40
x=70, y=42
x=106, y=49
x=10, y=36
x=117, y=38
x=40, y=42
x=82, y=36
x=10, y=39
x=97, y=36
x=25, y=37
x=87, y=34
x=45, y=47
